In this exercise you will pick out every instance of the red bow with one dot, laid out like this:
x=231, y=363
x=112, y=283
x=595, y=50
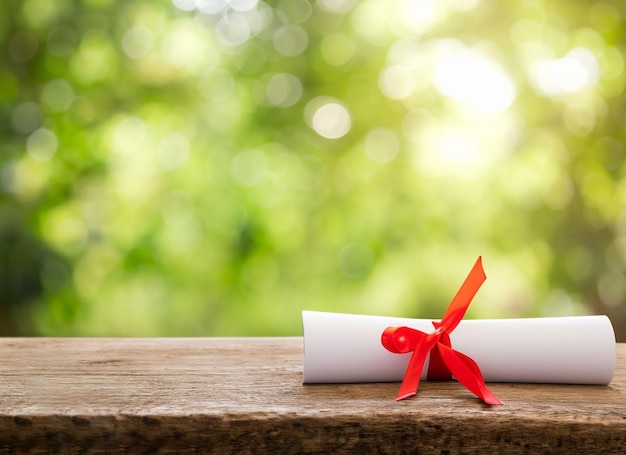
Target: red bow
x=444, y=361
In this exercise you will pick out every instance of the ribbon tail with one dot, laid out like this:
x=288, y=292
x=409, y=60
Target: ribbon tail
x=458, y=306
x=466, y=371
x=413, y=373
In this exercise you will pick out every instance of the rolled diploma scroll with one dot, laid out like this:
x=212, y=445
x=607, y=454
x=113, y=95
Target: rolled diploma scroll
x=346, y=348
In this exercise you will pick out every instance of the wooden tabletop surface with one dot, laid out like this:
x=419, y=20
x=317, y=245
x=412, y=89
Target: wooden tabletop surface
x=245, y=395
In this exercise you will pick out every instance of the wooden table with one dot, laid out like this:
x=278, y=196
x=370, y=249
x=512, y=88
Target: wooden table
x=245, y=395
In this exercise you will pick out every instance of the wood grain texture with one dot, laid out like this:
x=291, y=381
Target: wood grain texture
x=245, y=395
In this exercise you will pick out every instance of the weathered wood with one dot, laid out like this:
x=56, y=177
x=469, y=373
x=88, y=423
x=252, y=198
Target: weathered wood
x=245, y=395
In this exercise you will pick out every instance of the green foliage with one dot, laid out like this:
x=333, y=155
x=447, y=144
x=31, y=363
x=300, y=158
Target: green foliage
x=213, y=168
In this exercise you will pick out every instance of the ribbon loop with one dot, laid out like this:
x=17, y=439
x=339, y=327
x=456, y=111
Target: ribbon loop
x=445, y=362
x=401, y=340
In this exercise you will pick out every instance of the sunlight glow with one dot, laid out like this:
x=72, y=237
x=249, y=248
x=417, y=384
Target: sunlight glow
x=418, y=14
x=450, y=150
x=571, y=73
x=457, y=148
x=472, y=80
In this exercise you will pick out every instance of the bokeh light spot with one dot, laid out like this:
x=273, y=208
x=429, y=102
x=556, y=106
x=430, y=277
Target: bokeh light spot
x=612, y=289
x=524, y=30
x=96, y=59
x=575, y=71
x=42, y=145
x=57, y=95
x=291, y=40
x=328, y=118
x=381, y=145
x=337, y=6
x=137, y=41
x=295, y=11
x=338, y=48
x=233, y=30
x=211, y=7
x=185, y=5
x=611, y=62
x=579, y=118
x=64, y=228
x=396, y=82
x=173, y=151
x=129, y=135
x=415, y=123
x=559, y=193
x=39, y=15
x=189, y=46
x=284, y=90
x=243, y=5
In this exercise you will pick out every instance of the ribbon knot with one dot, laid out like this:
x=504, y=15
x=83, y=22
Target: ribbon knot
x=445, y=362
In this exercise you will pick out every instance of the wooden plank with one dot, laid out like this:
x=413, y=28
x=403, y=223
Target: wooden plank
x=245, y=395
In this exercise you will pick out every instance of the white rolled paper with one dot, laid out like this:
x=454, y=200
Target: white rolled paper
x=347, y=348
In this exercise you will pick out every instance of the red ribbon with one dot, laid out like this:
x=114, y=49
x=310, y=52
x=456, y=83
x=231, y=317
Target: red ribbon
x=445, y=362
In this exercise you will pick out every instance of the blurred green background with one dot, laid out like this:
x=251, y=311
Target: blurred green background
x=213, y=167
